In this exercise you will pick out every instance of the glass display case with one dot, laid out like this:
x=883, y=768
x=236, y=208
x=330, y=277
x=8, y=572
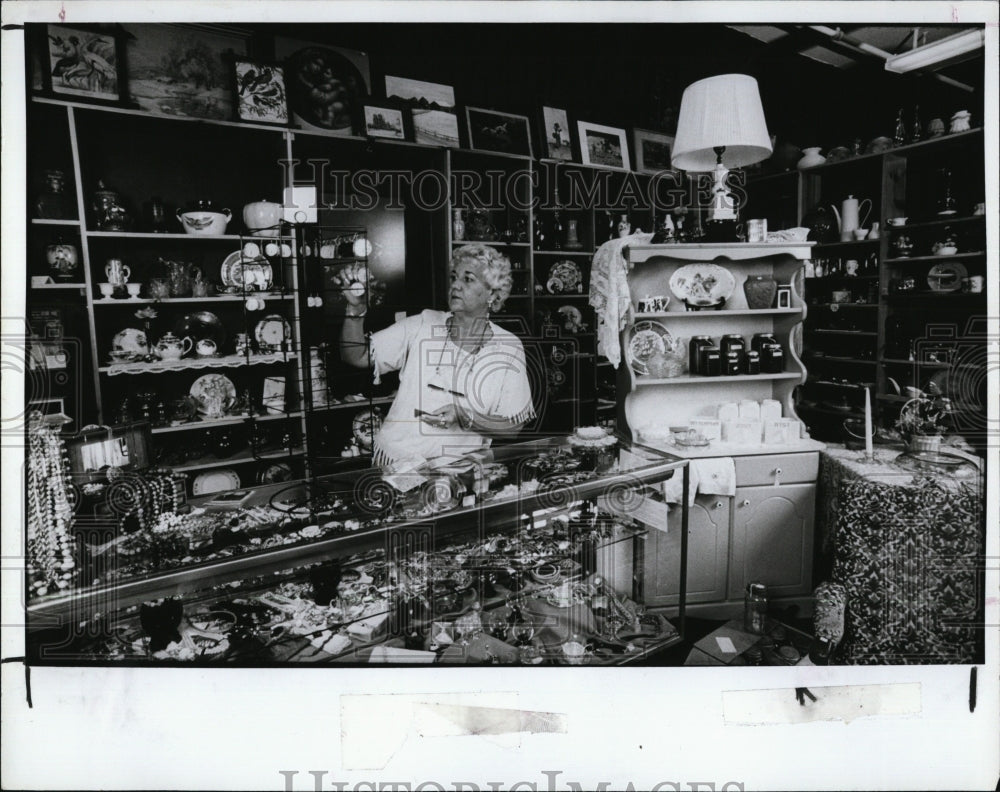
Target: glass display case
x=529, y=553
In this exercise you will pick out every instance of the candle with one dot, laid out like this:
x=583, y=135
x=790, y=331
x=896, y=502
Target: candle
x=868, y=424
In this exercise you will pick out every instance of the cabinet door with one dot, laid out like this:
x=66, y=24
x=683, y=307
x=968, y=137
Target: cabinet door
x=708, y=550
x=773, y=539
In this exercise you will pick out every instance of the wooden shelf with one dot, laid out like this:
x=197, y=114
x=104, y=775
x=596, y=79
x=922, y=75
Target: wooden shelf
x=837, y=359
x=587, y=253
x=838, y=306
x=713, y=314
x=853, y=243
x=241, y=458
x=496, y=242
x=823, y=331
x=937, y=223
x=709, y=251
x=689, y=380
x=234, y=420
x=224, y=361
x=67, y=286
x=917, y=259
x=898, y=150
x=104, y=301
x=47, y=221
x=175, y=236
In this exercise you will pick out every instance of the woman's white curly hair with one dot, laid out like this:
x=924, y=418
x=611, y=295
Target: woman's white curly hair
x=494, y=266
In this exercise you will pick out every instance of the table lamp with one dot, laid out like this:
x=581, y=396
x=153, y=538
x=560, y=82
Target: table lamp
x=721, y=126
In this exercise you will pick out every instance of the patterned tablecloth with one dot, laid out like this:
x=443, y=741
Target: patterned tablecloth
x=908, y=548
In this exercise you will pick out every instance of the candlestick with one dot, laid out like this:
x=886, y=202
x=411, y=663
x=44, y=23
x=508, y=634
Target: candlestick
x=869, y=453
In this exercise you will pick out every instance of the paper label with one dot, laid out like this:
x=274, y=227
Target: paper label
x=709, y=427
x=725, y=644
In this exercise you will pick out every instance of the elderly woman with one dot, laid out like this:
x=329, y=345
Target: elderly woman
x=463, y=380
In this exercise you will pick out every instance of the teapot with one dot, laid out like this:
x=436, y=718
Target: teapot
x=62, y=260
x=847, y=217
x=205, y=347
x=170, y=347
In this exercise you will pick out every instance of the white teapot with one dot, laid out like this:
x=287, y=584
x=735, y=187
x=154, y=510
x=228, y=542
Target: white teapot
x=170, y=347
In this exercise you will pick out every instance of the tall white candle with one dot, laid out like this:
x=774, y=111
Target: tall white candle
x=868, y=424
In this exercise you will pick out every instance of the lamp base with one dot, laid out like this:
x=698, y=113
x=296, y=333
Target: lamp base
x=720, y=231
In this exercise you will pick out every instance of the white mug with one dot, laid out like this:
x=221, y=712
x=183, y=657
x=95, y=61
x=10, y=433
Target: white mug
x=757, y=230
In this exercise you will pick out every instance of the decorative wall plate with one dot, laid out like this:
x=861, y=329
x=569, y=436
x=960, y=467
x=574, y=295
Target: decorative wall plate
x=215, y=481
x=272, y=331
x=365, y=426
x=947, y=276
x=247, y=272
x=275, y=473
x=649, y=340
x=572, y=318
x=564, y=276
x=131, y=340
x=208, y=386
x=702, y=284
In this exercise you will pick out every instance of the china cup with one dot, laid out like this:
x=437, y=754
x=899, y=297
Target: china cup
x=133, y=290
x=107, y=290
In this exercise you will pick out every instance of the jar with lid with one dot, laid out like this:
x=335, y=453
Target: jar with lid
x=731, y=342
x=709, y=361
x=759, y=339
x=694, y=349
x=772, y=359
x=751, y=361
x=52, y=203
x=755, y=608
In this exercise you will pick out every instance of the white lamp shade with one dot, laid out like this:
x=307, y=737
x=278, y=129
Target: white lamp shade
x=721, y=111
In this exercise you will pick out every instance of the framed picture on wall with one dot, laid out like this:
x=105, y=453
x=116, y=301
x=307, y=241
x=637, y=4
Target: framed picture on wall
x=490, y=130
x=326, y=84
x=80, y=62
x=184, y=70
x=653, y=150
x=260, y=92
x=555, y=136
x=385, y=120
x=603, y=146
x=432, y=106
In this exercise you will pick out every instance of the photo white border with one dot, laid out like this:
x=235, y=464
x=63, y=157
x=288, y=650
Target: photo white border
x=583, y=127
x=521, y=118
x=239, y=728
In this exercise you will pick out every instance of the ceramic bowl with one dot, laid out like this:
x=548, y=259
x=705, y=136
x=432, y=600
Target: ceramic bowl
x=204, y=223
x=860, y=233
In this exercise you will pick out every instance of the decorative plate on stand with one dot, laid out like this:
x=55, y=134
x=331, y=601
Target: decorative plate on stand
x=702, y=284
x=650, y=341
x=272, y=331
x=215, y=481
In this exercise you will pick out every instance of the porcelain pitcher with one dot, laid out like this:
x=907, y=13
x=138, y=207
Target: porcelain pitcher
x=848, y=216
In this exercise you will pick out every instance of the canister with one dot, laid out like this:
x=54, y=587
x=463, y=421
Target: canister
x=772, y=359
x=759, y=339
x=694, y=347
x=731, y=363
x=709, y=361
x=732, y=343
x=751, y=361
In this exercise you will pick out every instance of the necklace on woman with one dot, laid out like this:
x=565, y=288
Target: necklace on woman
x=453, y=329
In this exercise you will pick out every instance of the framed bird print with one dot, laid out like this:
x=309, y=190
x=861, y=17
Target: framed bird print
x=260, y=92
x=83, y=63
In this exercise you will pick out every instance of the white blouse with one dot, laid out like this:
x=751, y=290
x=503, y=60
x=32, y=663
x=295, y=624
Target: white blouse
x=434, y=372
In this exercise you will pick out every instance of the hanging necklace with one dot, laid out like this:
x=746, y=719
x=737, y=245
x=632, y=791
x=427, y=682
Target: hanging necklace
x=475, y=350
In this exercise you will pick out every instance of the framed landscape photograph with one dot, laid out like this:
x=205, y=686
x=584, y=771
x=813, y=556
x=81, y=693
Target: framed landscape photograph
x=385, y=120
x=326, y=84
x=81, y=63
x=432, y=106
x=652, y=150
x=260, y=92
x=490, y=130
x=603, y=146
x=556, y=143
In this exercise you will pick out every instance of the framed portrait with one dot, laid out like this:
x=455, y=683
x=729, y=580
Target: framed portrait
x=603, y=146
x=384, y=120
x=184, y=70
x=784, y=297
x=326, y=85
x=555, y=135
x=80, y=62
x=260, y=92
x=432, y=106
x=490, y=130
x=652, y=150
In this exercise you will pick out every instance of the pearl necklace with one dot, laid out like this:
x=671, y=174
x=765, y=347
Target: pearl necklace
x=50, y=547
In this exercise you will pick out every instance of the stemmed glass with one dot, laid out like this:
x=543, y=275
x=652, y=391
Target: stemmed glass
x=522, y=632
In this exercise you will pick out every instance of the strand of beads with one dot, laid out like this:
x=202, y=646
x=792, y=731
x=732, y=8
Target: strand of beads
x=50, y=547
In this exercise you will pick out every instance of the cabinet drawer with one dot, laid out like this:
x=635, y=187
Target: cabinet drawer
x=764, y=469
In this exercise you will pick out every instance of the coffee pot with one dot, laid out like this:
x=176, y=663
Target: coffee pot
x=847, y=217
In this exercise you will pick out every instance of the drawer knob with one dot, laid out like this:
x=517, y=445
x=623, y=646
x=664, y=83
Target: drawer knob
x=718, y=505
x=777, y=471
x=745, y=503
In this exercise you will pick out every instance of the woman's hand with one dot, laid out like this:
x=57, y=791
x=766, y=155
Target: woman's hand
x=355, y=295
x=447, y=417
